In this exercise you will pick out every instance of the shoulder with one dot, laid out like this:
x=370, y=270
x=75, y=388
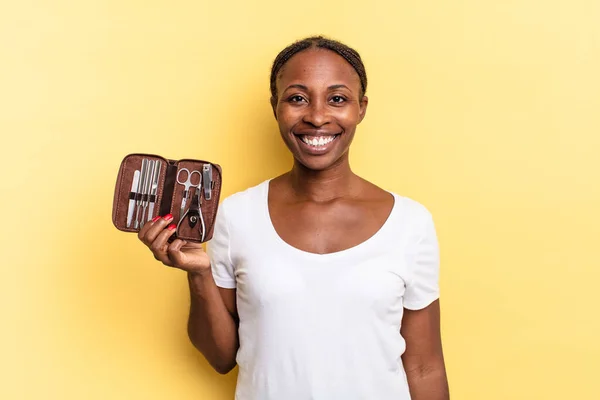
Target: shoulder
x=408, y=214
x=410, y=208
x=245, y=201
x=413, y=214
x=243, y=212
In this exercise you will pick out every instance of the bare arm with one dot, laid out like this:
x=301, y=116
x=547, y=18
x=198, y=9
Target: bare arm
x=213, y=321
x=424, y=359
x=212, y=324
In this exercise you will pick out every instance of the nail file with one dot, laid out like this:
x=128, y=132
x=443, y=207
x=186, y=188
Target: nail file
x=134, y=185
x=138, y=201
x=146, y=194
x=154, y=190
x=207, y=180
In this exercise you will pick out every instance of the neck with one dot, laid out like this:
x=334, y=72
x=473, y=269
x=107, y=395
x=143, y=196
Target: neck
x=325, y=185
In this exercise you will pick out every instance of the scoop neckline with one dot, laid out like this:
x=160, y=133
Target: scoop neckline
x=336, y=254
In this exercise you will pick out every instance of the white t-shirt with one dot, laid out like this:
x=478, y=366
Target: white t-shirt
x=322, y=326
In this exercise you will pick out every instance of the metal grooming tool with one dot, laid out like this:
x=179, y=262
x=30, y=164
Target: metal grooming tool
x=132, y=194
x=200, y=216
x=154, y=190
x=146, y=194
x=194, y=213
x=207, y=180
x=139, y=191
x=202, y=225
x=187, y=184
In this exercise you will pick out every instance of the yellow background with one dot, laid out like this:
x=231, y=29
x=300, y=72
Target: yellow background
x=487, y=112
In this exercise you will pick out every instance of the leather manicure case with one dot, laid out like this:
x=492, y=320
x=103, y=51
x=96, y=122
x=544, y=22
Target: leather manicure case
x=149, y=185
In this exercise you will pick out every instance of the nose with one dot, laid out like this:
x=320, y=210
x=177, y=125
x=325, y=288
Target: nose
x=317, y=114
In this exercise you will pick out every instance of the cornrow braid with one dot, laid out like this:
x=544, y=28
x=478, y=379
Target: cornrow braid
x=348, y=53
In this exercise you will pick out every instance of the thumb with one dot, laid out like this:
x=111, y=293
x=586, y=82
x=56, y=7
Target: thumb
x=175, y=254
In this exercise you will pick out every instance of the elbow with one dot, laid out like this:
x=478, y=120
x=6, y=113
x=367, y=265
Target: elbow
x=224, y=368
x=221, y=363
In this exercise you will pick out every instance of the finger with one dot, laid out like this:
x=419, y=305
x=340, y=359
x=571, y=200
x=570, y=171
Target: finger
x=177, y=244
x=155, y=227
x=144, y=229
x=159, y=245
x=174, y=252
x=163, y=258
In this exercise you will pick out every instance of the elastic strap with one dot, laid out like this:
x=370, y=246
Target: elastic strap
x=167, y=196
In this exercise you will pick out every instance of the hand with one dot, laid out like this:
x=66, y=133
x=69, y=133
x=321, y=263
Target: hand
x=181, y=254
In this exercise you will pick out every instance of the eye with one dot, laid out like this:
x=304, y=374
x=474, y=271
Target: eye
x=338, y=99
x=296, y=99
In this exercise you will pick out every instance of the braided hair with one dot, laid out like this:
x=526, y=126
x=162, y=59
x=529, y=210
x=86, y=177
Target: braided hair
x=318, y=42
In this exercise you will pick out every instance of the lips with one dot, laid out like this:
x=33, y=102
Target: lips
x=317, y=140
x=316, y=143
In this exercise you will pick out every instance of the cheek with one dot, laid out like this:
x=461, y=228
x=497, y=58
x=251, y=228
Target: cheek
x=348, y=118
x=287, y=118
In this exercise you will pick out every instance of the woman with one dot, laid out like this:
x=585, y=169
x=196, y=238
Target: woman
x=318, y=284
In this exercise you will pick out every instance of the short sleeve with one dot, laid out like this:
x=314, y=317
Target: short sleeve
x=422, y=288
x=219, y=253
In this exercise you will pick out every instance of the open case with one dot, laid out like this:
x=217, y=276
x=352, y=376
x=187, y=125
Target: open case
x=149, y=185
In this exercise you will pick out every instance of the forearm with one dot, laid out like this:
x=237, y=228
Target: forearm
x=211, y=328
x=428, y=384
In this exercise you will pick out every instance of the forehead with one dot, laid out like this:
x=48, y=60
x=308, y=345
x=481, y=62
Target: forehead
x=318, y=66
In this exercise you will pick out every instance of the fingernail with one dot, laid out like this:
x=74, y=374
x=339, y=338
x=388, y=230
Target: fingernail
x=168, y=217
x=156, y=218
x=172, y=226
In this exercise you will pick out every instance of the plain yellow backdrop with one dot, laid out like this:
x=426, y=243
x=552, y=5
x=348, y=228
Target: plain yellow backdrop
x=487, y=112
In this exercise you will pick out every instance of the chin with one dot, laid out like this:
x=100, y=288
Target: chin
x=320, y=163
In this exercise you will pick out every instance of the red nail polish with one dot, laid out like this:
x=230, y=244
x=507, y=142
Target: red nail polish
x=168, y=217
x=156, y=218
x=172, y=226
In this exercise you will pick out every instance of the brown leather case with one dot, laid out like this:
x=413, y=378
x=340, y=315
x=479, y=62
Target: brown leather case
x=157, y=192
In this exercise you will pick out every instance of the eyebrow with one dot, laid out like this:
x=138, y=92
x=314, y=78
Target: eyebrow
x=340, y=86
x=302, y=87
x=297, y=86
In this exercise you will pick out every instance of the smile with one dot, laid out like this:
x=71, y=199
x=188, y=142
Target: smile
x=318, y=141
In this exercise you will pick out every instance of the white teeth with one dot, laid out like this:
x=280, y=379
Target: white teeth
x=320, y=141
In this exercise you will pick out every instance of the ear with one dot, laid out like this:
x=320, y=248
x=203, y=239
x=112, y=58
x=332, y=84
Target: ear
x=364, y=102
x=274, y=106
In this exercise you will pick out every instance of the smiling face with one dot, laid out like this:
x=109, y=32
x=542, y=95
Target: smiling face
x=319, y=104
